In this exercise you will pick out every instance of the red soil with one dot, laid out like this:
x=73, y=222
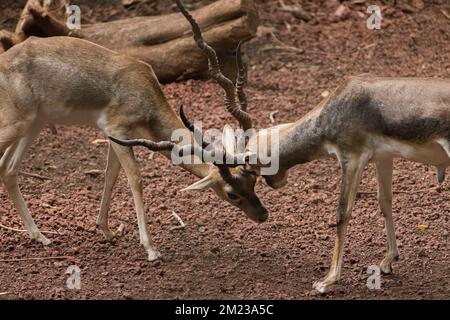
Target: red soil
x=221, y=254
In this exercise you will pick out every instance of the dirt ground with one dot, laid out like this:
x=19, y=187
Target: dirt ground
x=221, y=254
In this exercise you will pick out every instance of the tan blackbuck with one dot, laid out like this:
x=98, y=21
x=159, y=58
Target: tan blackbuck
x=68, y=81
x=365, y=119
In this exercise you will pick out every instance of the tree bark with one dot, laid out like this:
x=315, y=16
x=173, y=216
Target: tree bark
x=165, y=42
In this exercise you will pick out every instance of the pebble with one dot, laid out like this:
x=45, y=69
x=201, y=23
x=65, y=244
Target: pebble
x=127, y=295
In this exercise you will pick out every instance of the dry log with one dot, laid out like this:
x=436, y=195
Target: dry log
x=164, y=41
x=181, y=59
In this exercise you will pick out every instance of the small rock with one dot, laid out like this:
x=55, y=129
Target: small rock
x=422, y=253
x=325, y=94
x=301, y=14
x=215, y=250
x=361, y=14
x=75, y=250
x=406, y=8
x=98, y=142
x=342, y=12
x=419, y=4
x=227, y=289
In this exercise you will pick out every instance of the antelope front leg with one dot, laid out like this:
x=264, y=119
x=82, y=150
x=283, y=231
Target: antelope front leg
x=351, y=177
x=112, y=172
x=128, y=162
x=384, y=175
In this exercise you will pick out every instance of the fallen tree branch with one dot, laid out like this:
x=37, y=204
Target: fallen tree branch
x=296, y=10
x=36, y=259
x=447, y=15
x=278, y=44
x=20, y=230
x=33, y=175
x=283, y=48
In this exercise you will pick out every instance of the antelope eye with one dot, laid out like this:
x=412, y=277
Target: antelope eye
x=232, y=196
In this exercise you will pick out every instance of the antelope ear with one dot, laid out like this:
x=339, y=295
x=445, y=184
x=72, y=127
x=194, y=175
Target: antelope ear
x=203, y=184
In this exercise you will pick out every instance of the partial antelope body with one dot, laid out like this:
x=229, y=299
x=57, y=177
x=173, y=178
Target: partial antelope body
x=63, y=80
x=367, y=119
x=370, y=119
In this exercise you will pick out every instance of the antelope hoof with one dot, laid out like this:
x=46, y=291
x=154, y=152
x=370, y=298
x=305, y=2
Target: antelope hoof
x=109, y=235
x=39, y=237
x=386, y=265
x=323, y=286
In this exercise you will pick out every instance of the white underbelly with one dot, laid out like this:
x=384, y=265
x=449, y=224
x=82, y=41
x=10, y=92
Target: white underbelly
x=432, y=152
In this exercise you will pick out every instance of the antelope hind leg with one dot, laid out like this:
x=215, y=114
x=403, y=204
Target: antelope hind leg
x=384, y=176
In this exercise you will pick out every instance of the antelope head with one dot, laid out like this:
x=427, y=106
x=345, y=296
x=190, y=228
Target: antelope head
x=228, y=176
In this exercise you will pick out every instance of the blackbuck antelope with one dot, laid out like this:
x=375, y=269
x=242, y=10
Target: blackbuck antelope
x=68, y=81
x=366, y=119
x=369, y=119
